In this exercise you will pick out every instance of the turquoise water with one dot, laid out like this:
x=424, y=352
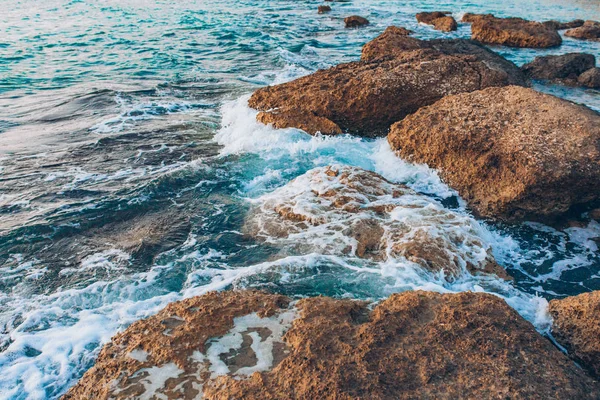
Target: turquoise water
x=127, y=119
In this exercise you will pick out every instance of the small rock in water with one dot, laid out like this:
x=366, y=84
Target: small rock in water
x=513, y=32
x=440, y=20
x=576, y=326
x=565, y=67
x=324, y=9
x=512, y=153
x=559, y=26
x=590, y=30
x=355, y=21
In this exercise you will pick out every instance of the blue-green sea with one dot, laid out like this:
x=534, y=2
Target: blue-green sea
x=129, y=162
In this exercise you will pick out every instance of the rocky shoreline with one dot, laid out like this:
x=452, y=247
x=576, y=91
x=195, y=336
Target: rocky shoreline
x=512, y=153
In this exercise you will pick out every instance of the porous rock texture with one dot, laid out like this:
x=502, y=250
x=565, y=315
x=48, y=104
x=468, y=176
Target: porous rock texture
x=590, y=30
x=576, y=326
x=512, y=153
x=365, y=98
x=439, y=20
x=412, y=345
x=513, y=32
x=395, y=42
x=343, y=210
x=355, y=21
x=564, y=68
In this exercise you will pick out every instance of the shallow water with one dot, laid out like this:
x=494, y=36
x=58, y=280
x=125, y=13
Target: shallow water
x=122, y=120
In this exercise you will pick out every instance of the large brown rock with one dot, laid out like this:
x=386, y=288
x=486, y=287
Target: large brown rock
x=428, y=17
x=395, y=42
x=365, y=98
x=343, y=210
x=513, y=32
x=565, y=67
x=251, y=345
x=576, y=326
x=512, y=153
x=590, y=30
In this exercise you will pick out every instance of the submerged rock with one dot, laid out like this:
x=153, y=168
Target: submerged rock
x=365, y=98
x=559, y=26
x=512, y=153
x=394, y=43
x=252, y=345
x=590, y=30
x=513, y=32
x=440, y=20
x=355, y=21
x=590, y=78
x=576, y=326
x=324, y=9
x=565, y=68
x=346, y=210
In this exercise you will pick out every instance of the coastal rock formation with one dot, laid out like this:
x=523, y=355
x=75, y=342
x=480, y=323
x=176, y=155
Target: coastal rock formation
x=347, y=210
x=355, y=21
x=576, y=326
x=440, y=20
x=559, y=26
x=252, y=345
x=324, y=9
x=590, y=30
x=590, y=78
x=365, y=98
x=564, y=68
x=394, y=42
x=514, y=32
x=512, y=153
x=470, y=17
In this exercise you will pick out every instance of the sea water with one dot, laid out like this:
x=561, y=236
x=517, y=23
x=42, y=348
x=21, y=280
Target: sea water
x=129, y=162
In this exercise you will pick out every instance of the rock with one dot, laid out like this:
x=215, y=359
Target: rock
x=440, y=20
x=565, y=67
x=252, y=345
x=355, y=21
x=576, y=326
x=365, y=98
x=559, y=26
x=514, y=32
x=590, y=30
x=324, y=9
x=394, y=42
x=512, y=153
x=445, y=24
x=594, y=214
x=342, y=210
x=428, y=17
x=470, y=17
x=590, y=78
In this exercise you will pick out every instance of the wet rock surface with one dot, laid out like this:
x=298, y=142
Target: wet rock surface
x=412, y=345
x=513, y=32
x=365, y=98
x=565, y=68
x=347, y=210
x=590, y=30
x=323, y=9
x=559, y=26
x=511, y=152
x=576, y=326
x=395, y=42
